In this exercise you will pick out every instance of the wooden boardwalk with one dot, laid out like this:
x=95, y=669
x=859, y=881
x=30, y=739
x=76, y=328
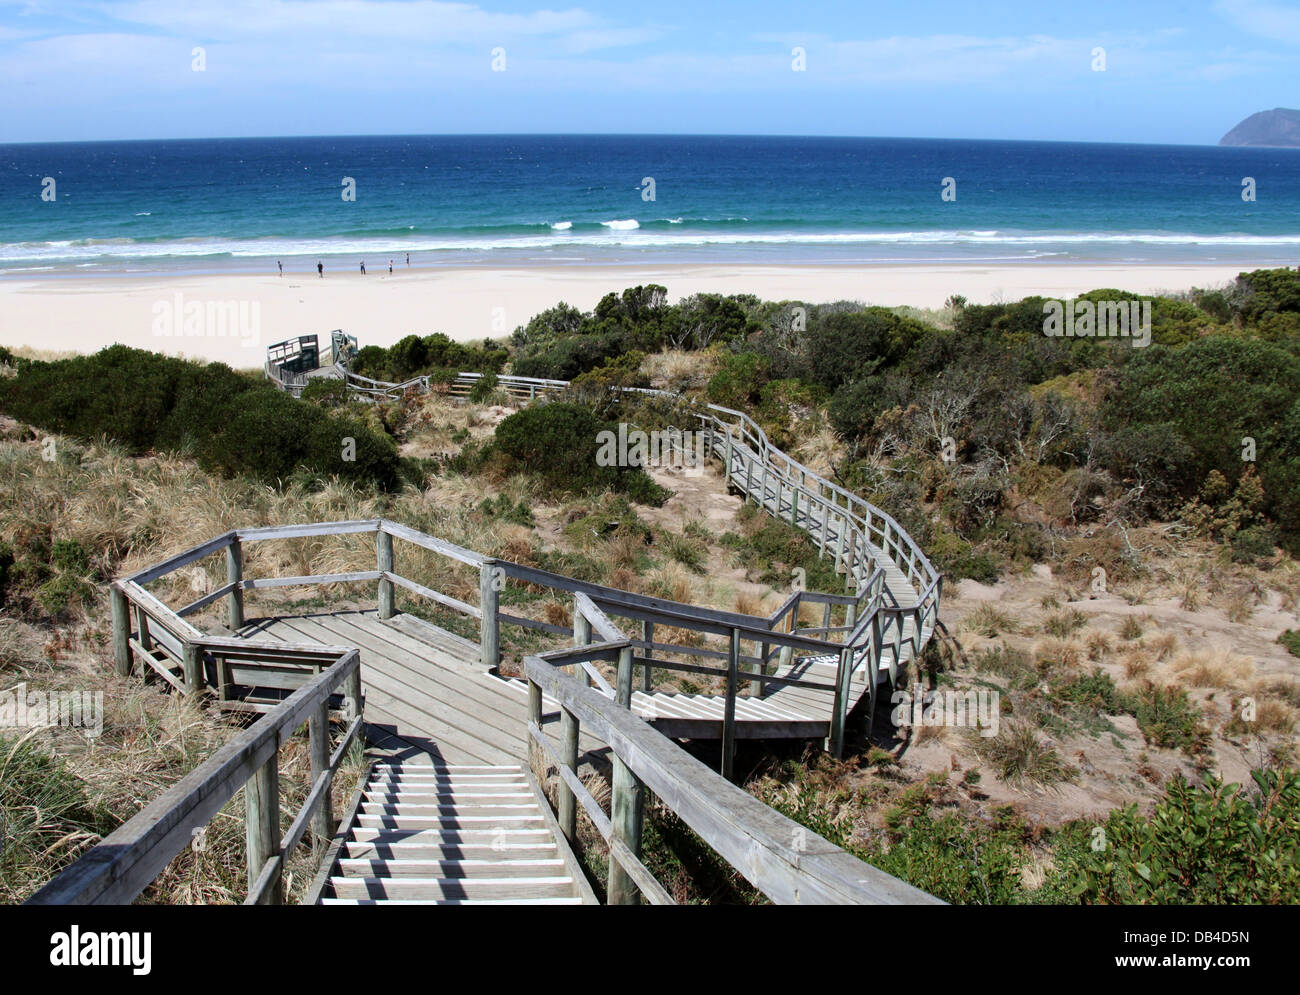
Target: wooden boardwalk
x=430, y=700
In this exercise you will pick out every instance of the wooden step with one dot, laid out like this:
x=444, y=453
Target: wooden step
x=450, y=822
x=574, y=900
x=469, y=868
x=439, y=888
x=403, y=850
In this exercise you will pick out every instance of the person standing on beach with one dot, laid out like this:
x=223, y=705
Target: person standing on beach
x=363, y=267
x=390, y=267
x=320, y=268
x=408, y=261
x=281, y=265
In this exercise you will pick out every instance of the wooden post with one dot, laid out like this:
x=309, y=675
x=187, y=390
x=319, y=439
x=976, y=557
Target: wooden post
x=623, y=692
x=786, y=657
x=192, y=667
x=647, y=669
x=825, y=530
x=121, y=631
x=262, y=824
x=826, y=619
x=756, y=686
x=625, y=809
x=567, y=809
x=490, y=577
x=794, y=504
x=873, y=665
x=749, y=478
x=839, y=712
x=762, y=489
x=729, y=708
x=726, y=471
x=840, y=529
x=384, y=557
x=235, y=575
x=581, y=637
x=319, y=738
x=535, y=754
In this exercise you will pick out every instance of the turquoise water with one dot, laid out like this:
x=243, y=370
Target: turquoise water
x=221, y=204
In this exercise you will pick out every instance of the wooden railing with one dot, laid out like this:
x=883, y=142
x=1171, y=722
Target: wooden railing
x=118, y=869
x=164, y=642
x=785, y=861
x=743, y=831
x=857, y=533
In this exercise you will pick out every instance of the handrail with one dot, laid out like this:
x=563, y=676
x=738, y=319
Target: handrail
x=784, y=860
x=863, y=521
x=119, y=868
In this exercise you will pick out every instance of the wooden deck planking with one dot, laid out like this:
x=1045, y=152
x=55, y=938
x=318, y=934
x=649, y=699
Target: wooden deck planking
x=427, y=694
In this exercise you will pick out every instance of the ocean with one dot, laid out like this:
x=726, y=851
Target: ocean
x=216, y=205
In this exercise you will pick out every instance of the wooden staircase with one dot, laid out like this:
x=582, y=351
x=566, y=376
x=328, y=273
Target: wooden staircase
x=452, y=835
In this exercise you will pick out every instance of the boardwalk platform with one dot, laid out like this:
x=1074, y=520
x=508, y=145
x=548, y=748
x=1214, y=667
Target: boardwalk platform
x=430, y=700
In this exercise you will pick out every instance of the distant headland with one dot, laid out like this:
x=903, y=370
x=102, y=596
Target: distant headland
x=1278, y=128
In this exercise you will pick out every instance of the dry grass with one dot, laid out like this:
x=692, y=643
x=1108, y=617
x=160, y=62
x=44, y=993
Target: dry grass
x=1211, y=669
x=1099, y=643
x=1137, y=662
x=988, y=620
x=670, y=580
x=1162, y=645
x=821, y=450
x=1053, y=654
x=1238, y=604
x=677, y=370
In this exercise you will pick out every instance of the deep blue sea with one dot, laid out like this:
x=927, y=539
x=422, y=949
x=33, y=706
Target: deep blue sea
x=220, y=204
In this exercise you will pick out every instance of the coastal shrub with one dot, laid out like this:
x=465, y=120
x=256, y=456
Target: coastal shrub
x=845, y=345
x=1290, y=639
x=1210, y=844
x=740, y=380
x=567, y=358
x=417, y=355
x=1212, y=395
x=559, y=442
x=229, y=422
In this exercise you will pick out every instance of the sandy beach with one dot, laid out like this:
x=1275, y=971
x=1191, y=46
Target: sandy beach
x=83, y=314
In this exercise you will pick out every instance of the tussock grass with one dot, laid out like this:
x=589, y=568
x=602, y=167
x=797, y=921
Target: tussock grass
x=1211, y=669
x=1020, y=757
x=989, y=621
x=1062, y=623
x=1053, y=654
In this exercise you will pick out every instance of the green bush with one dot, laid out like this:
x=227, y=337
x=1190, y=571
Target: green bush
x=559, y=442
x=1168, y=718
x=1203, y=845
x=417, y=355
x=229, y=422
x=738, y=383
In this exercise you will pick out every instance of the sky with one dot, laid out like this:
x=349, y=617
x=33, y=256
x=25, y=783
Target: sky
x=1174, y=72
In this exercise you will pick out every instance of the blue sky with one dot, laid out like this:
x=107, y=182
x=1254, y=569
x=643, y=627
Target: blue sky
x=1175, y=72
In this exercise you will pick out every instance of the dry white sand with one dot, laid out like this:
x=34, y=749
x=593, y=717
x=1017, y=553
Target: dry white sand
x=83, y=314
